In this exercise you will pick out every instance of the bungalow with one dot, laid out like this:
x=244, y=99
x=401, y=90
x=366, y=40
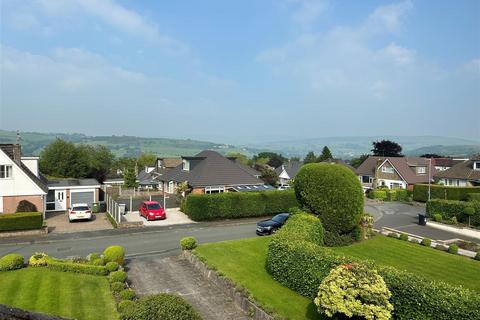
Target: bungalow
x=209, y=172
x=394, y=172
x=287, y=171
x=462, y=174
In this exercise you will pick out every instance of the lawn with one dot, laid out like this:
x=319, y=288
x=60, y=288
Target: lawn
x=430, y=263
x=71, y=295
x=243, y=261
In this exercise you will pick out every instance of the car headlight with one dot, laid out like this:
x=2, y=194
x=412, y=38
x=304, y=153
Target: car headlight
x=268, y=228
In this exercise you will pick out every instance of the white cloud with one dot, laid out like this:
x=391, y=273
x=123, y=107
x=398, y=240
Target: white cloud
x=473, y=65
x=309, y=10
x=399, y=54
x=389, y=16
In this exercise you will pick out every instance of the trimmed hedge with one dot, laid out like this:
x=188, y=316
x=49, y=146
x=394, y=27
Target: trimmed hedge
x=114, y=254
x=449, y=209
x=303, y=226
x=11, y=261
x=389, y=194
x=66, y=266
x=188, y=243
x=200, y=207
x=127, y=294
x=21, y=221
x=473, y=196
x=117, y=276
x=420, y=192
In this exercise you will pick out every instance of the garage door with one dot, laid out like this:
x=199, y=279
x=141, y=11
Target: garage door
x=82, y=197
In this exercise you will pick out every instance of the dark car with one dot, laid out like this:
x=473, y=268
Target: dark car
x=270, y=226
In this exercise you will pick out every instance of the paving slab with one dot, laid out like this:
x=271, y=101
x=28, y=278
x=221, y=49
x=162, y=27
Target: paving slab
x=58, y=223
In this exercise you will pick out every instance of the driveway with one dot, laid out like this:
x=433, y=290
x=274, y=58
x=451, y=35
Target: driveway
x=174, y=217
x=58, y=223
x=176, y=275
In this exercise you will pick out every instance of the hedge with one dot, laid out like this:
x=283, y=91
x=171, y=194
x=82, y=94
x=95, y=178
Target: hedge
x=389, y=194
x=380, y=194
x=420, y=192
x=21, y=221
x=67, y=266
x=473, y=196
x=11, y=261
x=188, y=243
x=452, y=208
x=301, y=265
x=114, y=254
x=227, y=205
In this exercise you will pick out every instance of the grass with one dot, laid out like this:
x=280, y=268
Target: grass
x=71, y=295
x=428, y=262
x=243, y=261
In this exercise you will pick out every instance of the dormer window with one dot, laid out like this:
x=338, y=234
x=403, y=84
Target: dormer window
x=476, y=165
x=421, y=170
x=386, y=169
x=186, y=165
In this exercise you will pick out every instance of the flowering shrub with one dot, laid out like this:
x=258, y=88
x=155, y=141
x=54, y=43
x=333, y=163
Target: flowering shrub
x=354, y=290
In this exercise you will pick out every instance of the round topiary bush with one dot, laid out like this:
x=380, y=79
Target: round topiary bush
x=161, y=306
x=426, y=242
x=354, y=290
x=125, y=305
x=116, y=287
x=333, y=192
x=98, y=262
x=188, y=243
x=11, y=261
x=115, y=254
x=112, y=266
x=453, y=248
x=127, y=294
x=117, y=276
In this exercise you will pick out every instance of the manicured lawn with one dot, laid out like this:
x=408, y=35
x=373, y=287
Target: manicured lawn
x=65, y=294
x=243, y=261
x=431, y=263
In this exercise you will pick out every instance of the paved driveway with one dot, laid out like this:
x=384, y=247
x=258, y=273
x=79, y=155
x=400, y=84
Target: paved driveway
x=176, y=275
x=58, y=223
x=174, y=217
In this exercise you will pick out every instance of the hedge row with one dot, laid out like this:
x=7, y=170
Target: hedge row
x=302, y=265
x=420, y=192
x=67, y=266
x=238, y=204
x=452, y=208
x=21, y=221
x=389, y=194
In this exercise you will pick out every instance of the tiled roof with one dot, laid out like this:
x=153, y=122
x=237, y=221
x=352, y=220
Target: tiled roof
x=73, y=183
x=463, y=170
x=291, y=167
x=171, y=162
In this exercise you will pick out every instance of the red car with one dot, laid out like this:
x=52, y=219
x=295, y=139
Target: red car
x=152, y=210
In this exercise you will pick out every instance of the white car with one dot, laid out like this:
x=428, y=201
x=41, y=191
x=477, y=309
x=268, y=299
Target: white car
x=79, y=211
x=285, y=187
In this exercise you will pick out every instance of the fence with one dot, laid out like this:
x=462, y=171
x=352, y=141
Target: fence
x=113, y=208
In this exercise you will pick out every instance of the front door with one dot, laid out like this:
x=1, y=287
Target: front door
x=60, y=202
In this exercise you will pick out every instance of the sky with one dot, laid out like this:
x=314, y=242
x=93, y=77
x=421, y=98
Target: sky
x=241, y=71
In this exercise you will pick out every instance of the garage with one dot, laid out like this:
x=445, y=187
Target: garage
x=63, y=193
x=87, y=197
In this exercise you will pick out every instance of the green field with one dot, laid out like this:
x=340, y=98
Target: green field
x=70, y=295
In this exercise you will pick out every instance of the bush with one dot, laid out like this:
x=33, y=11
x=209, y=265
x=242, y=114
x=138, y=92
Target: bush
x=116, y=287
x=391, y=195
x=437, y=217
x=426, y=242
x=333, y=192
x=11, y=261
x=93, y=256
x=117, y=276
x=303, y=226
x=21, y=221
x=333, y=239
x=200, y=207
x=473, y=196
x=188, y=243
x=379, y=194
x=452, y=208
x=453, y=248
x=26, y=206
x=114, y=254
x=66, y=266
x=403, y=237
x=477, y=256
x=420, y=192
x=453, y=220
x=98, y=262
x=402, y=194
x=125, y=306
x=39, y=259
x=161, y=306
x=354, y=290
x=127, y=294
x=112, y=266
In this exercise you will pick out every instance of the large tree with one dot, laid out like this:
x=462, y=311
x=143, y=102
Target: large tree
x=386, y=148
x=326, y=154
x=240, y=157
x=146, y=160
x=274, y=159
x=269, y=176
x=310, y=158
x=129, y=178
x=356, y=162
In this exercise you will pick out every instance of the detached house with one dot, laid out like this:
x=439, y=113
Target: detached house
x=19, y=180
x=395, y=172
x=288, y=171
x=463, y=174
x=210, y=172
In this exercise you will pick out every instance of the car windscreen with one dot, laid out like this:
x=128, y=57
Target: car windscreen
x=154, y=206
x=279, y=218
x=81, y=208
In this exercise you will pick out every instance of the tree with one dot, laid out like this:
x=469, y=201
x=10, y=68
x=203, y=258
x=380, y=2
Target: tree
x=269, y=176
x=386, y=148
x=129, y=178
x=310, y=158
x=98, y=159
x=146, y=160
x=275, y=160
x=240, y=157
x=431, y=155
x=356, y=162
x=295, y=158
x=122, y=164
x=62, y=159
x=326, y=154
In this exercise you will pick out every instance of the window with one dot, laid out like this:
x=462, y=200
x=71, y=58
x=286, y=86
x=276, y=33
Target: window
x=367, y=179
x=5, y=171
x=386, y=169
x=396, y=185
x=186, y=165
x=210, y=190
x=421, y=170
x=476, y=165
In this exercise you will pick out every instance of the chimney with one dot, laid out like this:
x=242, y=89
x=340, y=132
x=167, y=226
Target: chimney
x=17, y=152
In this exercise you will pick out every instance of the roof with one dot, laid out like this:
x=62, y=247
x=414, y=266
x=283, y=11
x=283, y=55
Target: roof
x=73, y=183
x=247, y=169
x=404, y=166
x=209, y=168
x=170, y=162
x=146, y=178
x=463, y=170
x=291, y=167
x=250, y=188
x=9, y=150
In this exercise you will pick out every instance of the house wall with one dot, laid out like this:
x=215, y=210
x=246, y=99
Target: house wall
x=455, y=182
x=389, y=182
x=388, y=176
x=10, y=203
x=31, y=163
x=20, y=184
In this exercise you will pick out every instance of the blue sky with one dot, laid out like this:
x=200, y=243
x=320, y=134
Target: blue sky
x=241, y=71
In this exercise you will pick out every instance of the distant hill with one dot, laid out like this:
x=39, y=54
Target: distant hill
x=34, y=142
x=459, y=151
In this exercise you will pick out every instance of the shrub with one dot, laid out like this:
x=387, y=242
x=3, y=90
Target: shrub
x=161, y=306
x=392, y=235
x=473, y=196
x=453, y=248
x=303, y=226
x=11, y=261
x=451, y=208
x=453, y=220
x=114, y=254
x=112, y=266
x=117, y=276
x=333, y=239
x=93, y=256
x=379, y=194
x=66, y=266
x=477, y=256
x=26, y=206
x=366, y=226
x=403, y=237
x=116, y=287
x=354, y=290
x=21, y=221
x=125, y=306
x=333, y=192
x=426, y=242
x=420, y=192
x=127, y=294
x=39, y=259
x=188, y=243
x=391, y=195
x=402, y=194
x=437, y=217
x=98, y=262
x=200, y=207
